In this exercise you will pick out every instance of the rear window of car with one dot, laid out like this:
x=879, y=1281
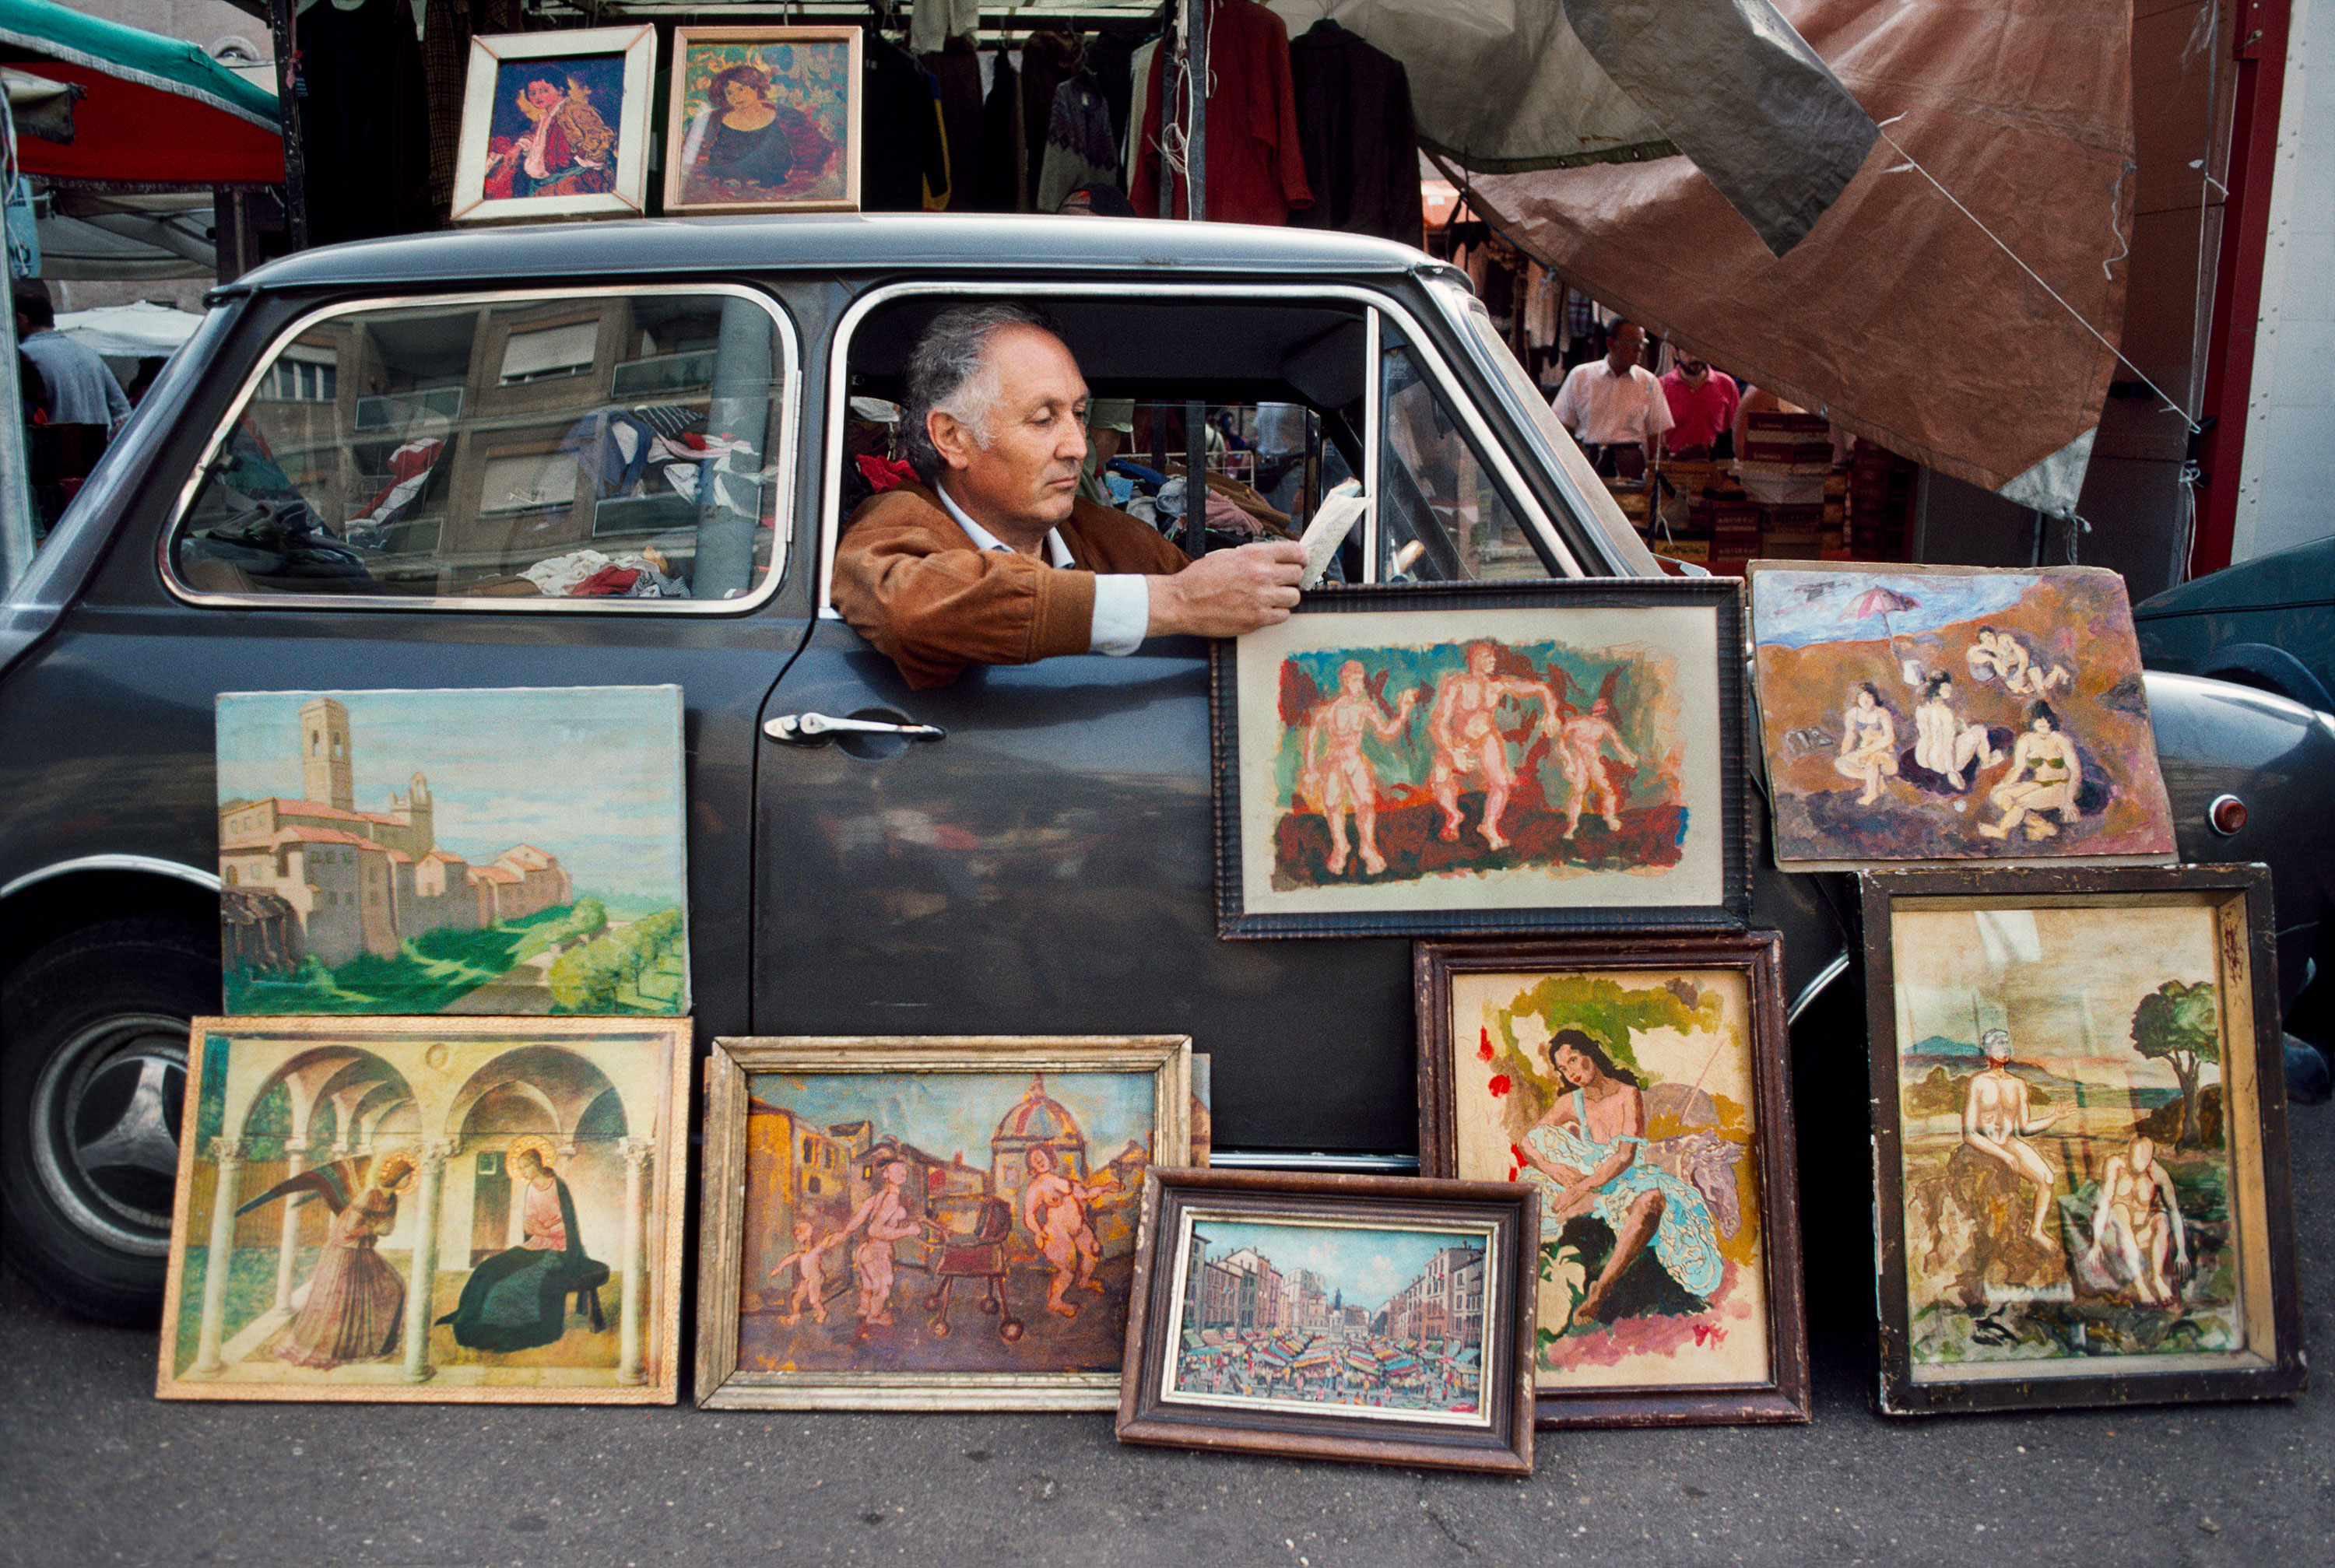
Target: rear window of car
x=597, y=449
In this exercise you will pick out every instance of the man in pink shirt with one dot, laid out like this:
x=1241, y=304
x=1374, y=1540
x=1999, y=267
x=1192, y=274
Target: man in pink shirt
x=1703, y=406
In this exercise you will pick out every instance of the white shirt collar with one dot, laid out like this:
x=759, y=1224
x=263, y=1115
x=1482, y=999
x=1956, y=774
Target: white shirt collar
x=1058, y=554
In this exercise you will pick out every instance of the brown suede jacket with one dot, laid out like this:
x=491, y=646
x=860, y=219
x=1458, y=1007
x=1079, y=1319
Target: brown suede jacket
x=911, y=582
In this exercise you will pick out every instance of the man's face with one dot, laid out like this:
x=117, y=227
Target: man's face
x=1023, y=481
x=1350, y=680
x=1694, y=370
x=1480, y=660
x=1621, y=349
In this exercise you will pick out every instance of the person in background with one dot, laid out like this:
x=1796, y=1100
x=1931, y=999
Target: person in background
x=78, y=389
x=1614, y=406
x=1702, y=407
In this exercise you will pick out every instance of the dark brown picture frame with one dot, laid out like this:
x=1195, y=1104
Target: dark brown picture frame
x=1501, y=1443
x=1546, y=881
x=1783, y=1396
x=2236, y=900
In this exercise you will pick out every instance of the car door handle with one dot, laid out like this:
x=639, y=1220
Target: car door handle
x=813, y=728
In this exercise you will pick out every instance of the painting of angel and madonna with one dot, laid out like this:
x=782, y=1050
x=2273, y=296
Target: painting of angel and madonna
x=1308, y=1313
x=928, y=1224
x=497, y=851
x=2080, y=1137
x=1571, y=759
x=429, y=1209
x=1639, y=1089
x=1931, y=714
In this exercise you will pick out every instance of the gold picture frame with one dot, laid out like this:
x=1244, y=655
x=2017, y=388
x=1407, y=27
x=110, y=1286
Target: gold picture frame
x=530, y=1168
x=786, y=137
x=860, y=1248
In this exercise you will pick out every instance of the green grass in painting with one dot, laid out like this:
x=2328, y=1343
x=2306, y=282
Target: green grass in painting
x=428, y=972
x=658, y=990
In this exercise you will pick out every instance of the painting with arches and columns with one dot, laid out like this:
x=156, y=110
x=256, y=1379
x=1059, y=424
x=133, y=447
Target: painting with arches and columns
x=457, y=1209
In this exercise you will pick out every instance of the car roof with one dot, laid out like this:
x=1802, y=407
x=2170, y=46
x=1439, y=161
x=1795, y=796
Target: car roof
x=887, y=242
x=2304, y=574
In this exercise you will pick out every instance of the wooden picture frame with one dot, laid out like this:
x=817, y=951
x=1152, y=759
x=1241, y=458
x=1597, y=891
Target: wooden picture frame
x=385, y=1140
x=1432, y=1375
x=1700, y=1022
x=804, y=1135
x=1618, y=708
x=799, y=87
x=594, y=158
x=2065, y=1019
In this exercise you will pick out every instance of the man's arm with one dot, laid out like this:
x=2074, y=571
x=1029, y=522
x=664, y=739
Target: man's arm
x=1230, y=592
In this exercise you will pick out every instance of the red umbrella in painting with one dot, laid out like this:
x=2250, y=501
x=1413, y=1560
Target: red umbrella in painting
x=1883, y=602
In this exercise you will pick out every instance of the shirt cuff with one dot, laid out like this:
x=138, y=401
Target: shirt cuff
x=1122, y=613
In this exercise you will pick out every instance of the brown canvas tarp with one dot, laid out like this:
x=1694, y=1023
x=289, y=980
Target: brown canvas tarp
x=1898, y=317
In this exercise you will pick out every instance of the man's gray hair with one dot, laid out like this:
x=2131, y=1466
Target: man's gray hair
x=948, y=371
x=1995, y=1043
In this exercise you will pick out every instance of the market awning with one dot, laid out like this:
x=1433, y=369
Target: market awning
x=138, y=331
x=156, y=112
x=1903, y=317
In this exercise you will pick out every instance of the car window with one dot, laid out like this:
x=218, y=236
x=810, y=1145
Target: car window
x=1441, y=516
x=609, y=448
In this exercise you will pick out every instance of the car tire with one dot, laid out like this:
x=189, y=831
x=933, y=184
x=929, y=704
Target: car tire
x=93, y=1085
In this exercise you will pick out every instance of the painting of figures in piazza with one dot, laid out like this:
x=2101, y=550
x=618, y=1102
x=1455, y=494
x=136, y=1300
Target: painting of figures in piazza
x=495, y=851
x=2080, y=1131
x=765, y=118
x=1639, y=1089
x=1339, y=1317
x=1934, y=714
x=429, y=1209
x=1572, y=759
x=929, y=1225
x=555, y=125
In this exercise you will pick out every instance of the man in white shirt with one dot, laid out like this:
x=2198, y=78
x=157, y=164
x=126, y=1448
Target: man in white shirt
x=1614, y=406
x=994, y=558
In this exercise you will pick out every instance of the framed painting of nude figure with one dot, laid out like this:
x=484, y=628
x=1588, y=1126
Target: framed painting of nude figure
x=1932, y=715
x=1640, y=1088
x=933, y=1224
x=1453, y=758
x=2080, y=1138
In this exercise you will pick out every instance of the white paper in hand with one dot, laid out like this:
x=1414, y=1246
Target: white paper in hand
x=1332, y=521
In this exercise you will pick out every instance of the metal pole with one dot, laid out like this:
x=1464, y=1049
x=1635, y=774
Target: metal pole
x=287, y=110
x=15, y=477
x=1196, y=90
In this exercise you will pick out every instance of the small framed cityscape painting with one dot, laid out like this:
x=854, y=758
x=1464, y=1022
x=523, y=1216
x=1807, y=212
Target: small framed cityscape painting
x=1574, y=761
x=763, y=119
x=2080, y=1138
x=937, y=1224
x=555, y=125
x=502, y=850
x=1930, y=715
x=1382, y=1319
x=1639, y=1089
x=467, y=1210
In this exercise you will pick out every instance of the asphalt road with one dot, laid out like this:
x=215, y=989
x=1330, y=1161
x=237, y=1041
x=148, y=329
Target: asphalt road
x=97, y=1472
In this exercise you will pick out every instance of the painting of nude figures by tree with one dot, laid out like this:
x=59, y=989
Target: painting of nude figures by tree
x=1638, y=1087
x=478, y=1209
x=929, y=1225
x=1532, y=757
x=1935, y=714
x=2081, y=1130
x=498, y=851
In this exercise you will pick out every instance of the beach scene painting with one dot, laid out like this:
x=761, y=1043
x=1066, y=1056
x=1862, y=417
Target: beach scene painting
x=1555, y=763
x=429, y=1209
x=1927, y=715
x=515, y=851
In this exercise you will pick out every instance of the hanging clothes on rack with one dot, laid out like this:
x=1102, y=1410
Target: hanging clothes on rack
x=902, y=133
x=1138, y=104
x=955, y=70
x=1111, y=59
x=932, y=23
x=446, y=29
x=1257, y=164
x=996, y=183
x=1080, y=147
x=1362, y=147
x=1050, y=57
x=365, y=125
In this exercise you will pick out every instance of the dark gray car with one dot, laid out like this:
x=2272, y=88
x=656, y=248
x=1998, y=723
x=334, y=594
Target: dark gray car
x=347, y=478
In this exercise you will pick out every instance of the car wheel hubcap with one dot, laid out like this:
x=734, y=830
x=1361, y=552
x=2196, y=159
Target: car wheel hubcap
x=105, y=1129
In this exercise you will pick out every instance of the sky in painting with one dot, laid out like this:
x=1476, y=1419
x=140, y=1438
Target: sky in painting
x=1367, y=1263
x=1798, y=608
x=952, y=1113
x=589, y=774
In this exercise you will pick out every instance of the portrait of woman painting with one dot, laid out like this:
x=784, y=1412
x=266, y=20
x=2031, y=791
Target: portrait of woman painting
x=1566, y=763
x=555, y=125
x=1934, y=714
x=764, y=120
x=1639, y=1091
x=2079, y=1137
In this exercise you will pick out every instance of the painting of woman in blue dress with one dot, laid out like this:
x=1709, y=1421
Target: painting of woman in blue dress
x=1582, y=1155
x=519, y=1298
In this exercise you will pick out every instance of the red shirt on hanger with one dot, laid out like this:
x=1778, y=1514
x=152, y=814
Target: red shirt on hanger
x=1257, y=170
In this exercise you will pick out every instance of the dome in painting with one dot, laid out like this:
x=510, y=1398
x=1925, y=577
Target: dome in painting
x=1037, y=1117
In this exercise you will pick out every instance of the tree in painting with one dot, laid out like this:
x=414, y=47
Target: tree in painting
x=2181, y=1026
